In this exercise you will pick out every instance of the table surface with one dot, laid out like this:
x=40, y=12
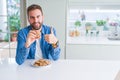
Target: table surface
x=61, y=70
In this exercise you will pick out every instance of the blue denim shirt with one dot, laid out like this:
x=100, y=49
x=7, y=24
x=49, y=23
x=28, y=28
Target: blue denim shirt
x=23, y=53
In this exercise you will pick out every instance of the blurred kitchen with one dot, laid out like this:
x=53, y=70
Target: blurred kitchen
x=67, y=16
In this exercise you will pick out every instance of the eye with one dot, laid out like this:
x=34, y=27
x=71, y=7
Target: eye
x=38, y=16
x=31, y=17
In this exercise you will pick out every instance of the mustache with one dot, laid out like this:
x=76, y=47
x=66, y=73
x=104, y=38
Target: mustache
x=35, y=23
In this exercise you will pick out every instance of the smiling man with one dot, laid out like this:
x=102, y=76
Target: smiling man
x=37, y=40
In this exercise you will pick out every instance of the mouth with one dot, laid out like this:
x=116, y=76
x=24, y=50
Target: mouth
x=36, y=26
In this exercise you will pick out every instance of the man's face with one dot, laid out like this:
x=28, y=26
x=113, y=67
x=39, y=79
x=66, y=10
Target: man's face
x=35, y=18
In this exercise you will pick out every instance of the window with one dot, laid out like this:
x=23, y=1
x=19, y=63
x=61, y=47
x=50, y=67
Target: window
x=10, y=25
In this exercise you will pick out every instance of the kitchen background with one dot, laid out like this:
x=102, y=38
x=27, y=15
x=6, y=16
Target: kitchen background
x=57, y=14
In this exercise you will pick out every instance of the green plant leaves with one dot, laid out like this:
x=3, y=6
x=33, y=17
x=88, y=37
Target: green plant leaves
x=77, y=23
x=100, y=22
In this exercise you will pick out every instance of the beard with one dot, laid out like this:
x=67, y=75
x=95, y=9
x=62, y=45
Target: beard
x=36, y=25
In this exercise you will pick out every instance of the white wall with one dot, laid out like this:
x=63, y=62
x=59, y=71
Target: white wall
x=55, y=15
x=23, y=13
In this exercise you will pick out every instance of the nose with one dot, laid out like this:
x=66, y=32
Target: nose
x=35, y=20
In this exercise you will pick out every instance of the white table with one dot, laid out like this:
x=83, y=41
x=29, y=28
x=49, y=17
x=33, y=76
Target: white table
x=60, y=70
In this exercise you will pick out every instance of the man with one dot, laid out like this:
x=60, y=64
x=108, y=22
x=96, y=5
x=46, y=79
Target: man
x=36, y=40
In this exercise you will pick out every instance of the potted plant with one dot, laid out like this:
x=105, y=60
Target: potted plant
x=14, y=25
x=14, y=19
x=77, y=25
x=88, y=26
x=100, y=22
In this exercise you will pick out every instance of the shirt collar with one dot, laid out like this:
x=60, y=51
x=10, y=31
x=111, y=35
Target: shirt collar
x=43, y=30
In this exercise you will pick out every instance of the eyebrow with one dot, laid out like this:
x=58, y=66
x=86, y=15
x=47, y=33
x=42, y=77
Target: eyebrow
x=34, y=17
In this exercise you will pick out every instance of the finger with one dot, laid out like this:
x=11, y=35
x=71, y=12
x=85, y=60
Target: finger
x=51, y=30
x=46, y=37
x=33, y=32
x=37, y=31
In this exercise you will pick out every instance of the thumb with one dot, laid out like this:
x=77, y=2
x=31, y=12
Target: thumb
x=51, y=30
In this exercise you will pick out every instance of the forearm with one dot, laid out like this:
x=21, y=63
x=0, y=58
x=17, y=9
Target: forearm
x=55, y=53
x=21, y=55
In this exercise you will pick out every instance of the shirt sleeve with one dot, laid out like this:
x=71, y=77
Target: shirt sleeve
x=21, y=51
x=54, y=53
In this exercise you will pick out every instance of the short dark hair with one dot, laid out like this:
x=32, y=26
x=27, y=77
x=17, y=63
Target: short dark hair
x=33, y=7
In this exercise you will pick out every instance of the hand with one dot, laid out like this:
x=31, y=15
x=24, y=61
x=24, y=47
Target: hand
x=32, y=36
x=51, y=38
